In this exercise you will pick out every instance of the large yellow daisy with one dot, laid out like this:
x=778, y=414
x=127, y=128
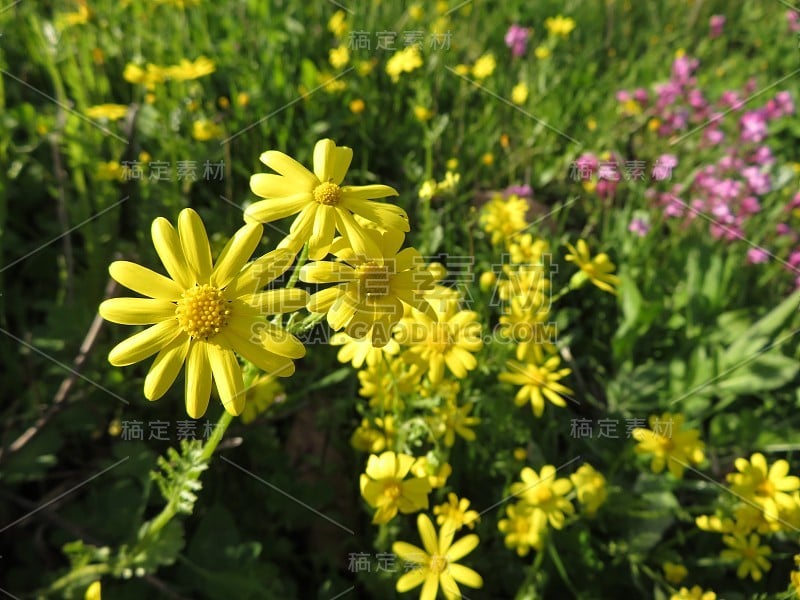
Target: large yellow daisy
x=324, y=204
x=204, y=313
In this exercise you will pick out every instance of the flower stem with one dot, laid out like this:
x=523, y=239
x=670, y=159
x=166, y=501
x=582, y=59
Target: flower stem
x=300, y=262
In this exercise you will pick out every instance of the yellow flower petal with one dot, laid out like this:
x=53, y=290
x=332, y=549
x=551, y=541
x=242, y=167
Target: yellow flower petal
x=289, y=167
x=144, y=281
x=260, y=272
x=466, y=576
x=168, y=247
x=277, y=301
x=322, y=233
x=198, y=380
x=411, y=579
x=228, y=377
x=136, y=311
x=165, y=368
x=194, y=242
x=277, y=187
x=273, y=209
x=235, y=254
x=331, y=162
x=144, y=344
x=427, y=533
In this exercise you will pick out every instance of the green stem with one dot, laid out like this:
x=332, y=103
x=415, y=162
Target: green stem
x=300, y=262
x=86, y=572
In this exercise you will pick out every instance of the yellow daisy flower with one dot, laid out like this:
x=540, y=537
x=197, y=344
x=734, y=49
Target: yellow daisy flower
x=403, y=61
x=504, y=217
x=669, y=443
x=768, y=487
x=750, y=555
x=455, y=513
x=450, y=419
x=524, y=528
x=598, y=270
x=371, y=292
x=437, y=476
x=202, y=314
x=674, y=573
x=539, y=379
x=449, y=340
x=559, y=25
x=374, y=439
x=437, y=562
x=590, y=486
x=357, y=352
x=484, y=66
x=696, y=593
x=186, y=70
x=384, y=486
x=545, y=493
x=324, y=204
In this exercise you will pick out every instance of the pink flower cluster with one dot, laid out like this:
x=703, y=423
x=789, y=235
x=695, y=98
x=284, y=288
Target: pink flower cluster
x=517, y=39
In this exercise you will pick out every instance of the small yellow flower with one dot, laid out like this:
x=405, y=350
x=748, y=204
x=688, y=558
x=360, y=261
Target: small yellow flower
x=437, y=476
x=436, y=563
x=542, y=52
x=224, y=102
x=365, y=67
x=242, y=99
x=714, y=523
x=262, y=393
x=205, y=129
x=360, y=351
x=337, y=25
x=462, y=69
x=80, y=17
x=487, y=159
x=451, y=164
x=422, y=114
x=520, y=454
x=559, y=25
x=670, y=444
x=545, y=493
x=539, y=380
x=519, y=93
x=187, y=70
x=591, y=124
x=524, y=528
x=768, y=487
x=384, y=486
x=696, y=593
x=598, y=270
x=376, y=436
x=487, y=281
x=653, y=124
x=357, y=106
x=450, y=419
x=403, y=61
x=674, y=573
x=428, y=189
x=148, y=76
x=749, y=553
x=484, y=66
x=449, y=337
x=112, y=112
x=416, y=12
x=590, y=487
x=339, y=57
x=454, y=513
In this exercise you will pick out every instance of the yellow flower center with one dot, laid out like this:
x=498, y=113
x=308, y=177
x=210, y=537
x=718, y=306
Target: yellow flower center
x=542, y=494
x=438, y=564
x=374, y=279
x=328, y=193
x=202, y=311
x=392, y=490
x=765, y=488
x=441, y=338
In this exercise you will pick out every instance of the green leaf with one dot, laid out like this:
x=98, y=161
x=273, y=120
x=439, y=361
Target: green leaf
x=162, y=550
x=768, y=371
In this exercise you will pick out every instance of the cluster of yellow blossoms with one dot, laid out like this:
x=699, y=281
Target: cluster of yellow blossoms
x=543, y=501
x=152, y=74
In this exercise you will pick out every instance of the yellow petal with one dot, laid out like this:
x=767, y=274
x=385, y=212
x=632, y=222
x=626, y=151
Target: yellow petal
x=289, y=167
x=136, y=311
x=165, y=368
x=462, y=547
x=277, y=301
x=279, y=341
x=322, y=233
x=168, y=247
x=322, y=301
x=198, y=380
x=267, y=185
x=466, y=576
x=273, y=209
x=267, y=361
x=387, y=216
x=194, y=242
x=144, y=344
x=326, y=272
x=409, y=553
x=144, y=281
x=430, y=587
x=361, y=243
x=236, y=254
x=259, y=273
x=428, y=534
x=228, y=377
x=381, y=467
x=411, y=579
